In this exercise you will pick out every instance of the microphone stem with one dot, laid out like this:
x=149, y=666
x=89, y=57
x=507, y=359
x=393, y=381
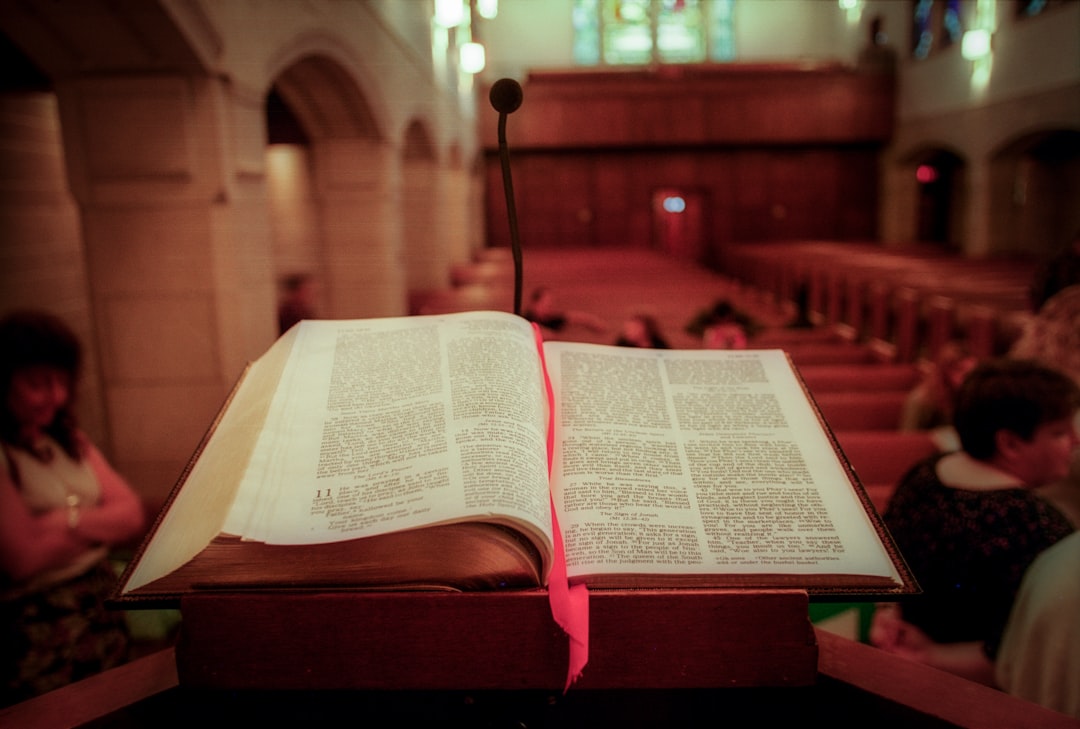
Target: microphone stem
x=511, y=212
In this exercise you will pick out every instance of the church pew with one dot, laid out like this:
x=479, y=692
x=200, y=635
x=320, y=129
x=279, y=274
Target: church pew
x=904, y=300
x=496, y=254
x=859, y=377
x=941, y=324
x=773, y=337
x=816, y=353
x=482, y=272
x=881, y=458
x=861, y=410
x=471, y=297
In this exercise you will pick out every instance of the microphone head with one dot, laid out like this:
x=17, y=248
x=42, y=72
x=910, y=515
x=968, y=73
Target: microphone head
x=506, y=95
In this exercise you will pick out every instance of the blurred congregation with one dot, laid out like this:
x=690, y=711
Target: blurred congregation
x=888, y=190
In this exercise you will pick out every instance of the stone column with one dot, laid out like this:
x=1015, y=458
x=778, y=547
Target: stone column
x=899, y=206
x=167, y=171
x=358, y=187
x=41, y=237
x=427, y=225
x=459, y=214
x=978, y=211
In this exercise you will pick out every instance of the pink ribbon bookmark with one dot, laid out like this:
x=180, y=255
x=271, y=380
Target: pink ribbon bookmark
x=569, y=603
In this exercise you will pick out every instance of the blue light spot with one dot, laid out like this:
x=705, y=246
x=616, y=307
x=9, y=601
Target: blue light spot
x=674, y=204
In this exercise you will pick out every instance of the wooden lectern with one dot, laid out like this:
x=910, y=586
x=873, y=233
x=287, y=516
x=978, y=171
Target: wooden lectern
x=855, y=685
x=639, y=639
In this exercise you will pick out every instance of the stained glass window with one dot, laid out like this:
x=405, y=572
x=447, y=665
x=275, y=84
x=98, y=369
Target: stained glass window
x=936, y=25
x=722, y=30
x=652, y=31
x=953, y=29
x=1030, y=7
x=586, y=21
x=627, y=31
x=680, y=31
x=922, y=31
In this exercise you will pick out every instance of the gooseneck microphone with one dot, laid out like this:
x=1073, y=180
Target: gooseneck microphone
x=506, y=96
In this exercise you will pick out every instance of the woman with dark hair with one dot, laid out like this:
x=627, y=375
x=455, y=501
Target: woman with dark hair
x=62, y=507
x=969, y=522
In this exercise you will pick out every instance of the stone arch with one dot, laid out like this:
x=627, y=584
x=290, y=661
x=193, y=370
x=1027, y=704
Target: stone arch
x=348, y=175
x=1035, y=185
x=166, y=220
x=327, y=100
x=455, y=158
x=425, y=229
x=329, y=87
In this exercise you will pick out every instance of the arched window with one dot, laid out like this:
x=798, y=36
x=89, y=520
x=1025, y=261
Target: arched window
x=618, y=32
x=938, y=24
x=1031, y=8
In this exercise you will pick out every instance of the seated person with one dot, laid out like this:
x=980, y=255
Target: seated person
x=641, y=330
x=297, y=301
x=1039, y=659
x=725, y=335
x=968, y=522
x=62, y=507
x=722, y=326
x=542, y=310
x=1052, y=337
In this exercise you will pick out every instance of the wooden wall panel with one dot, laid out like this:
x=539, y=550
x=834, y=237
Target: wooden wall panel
x=554, y=190
x=749, y=170
x=723, y=103
x=769, y=152
x=857, y=190
x=589, y=198
x=614, y=203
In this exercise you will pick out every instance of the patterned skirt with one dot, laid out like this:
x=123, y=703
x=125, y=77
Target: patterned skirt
x=61, y=635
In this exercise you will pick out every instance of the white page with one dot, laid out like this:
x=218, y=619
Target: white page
x=380, y=419
x=638, y=491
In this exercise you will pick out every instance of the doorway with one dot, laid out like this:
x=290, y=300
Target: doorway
x=940, y=182
x=678, y=223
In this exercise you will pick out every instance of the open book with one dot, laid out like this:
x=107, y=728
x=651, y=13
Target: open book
x=414, y=453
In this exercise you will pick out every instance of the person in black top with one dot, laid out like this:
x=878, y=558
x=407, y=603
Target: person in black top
x=969, y=523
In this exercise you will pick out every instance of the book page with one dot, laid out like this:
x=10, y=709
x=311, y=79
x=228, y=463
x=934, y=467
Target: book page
x=699, y=462
x=382, y=425
x=196, y=513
